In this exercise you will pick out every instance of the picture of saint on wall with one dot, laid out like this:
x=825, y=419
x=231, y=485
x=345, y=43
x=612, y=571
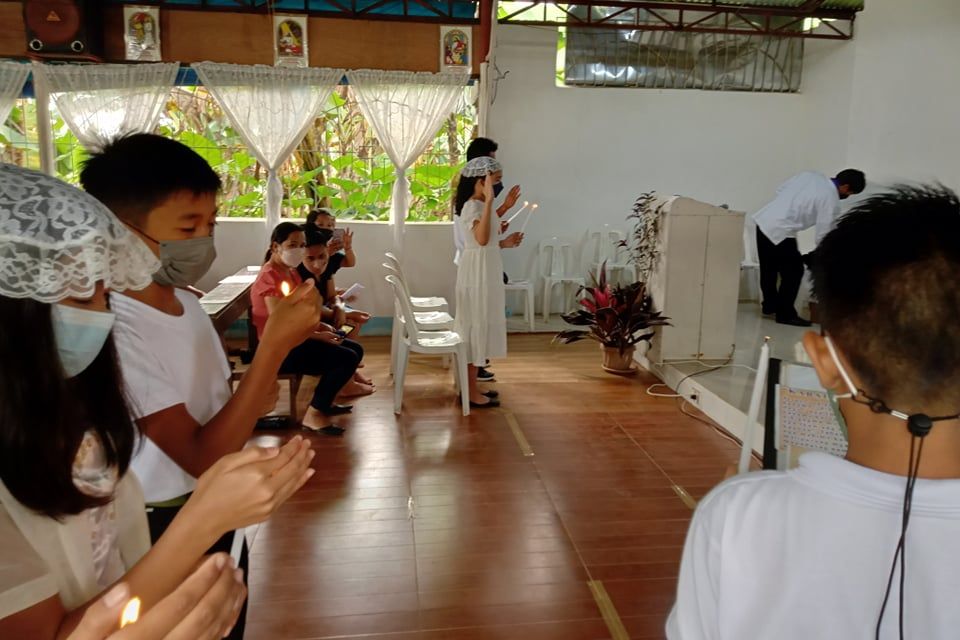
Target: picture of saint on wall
x=290, y=40
x=455, y=47
x=142, y=33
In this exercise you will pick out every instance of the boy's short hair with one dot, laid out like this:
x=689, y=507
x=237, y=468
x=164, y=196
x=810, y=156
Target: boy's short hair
x=136, y=173
x=887, y=280
x=316, y=213
x=315, y=235
x=853, y=178
x=481, y=147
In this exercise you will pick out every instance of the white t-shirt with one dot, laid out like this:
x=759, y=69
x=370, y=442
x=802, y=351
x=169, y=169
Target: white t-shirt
x=807, y=199
x=168, y=360
x=806, y=554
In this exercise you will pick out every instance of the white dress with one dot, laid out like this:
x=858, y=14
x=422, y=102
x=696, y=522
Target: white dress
x=481, y=317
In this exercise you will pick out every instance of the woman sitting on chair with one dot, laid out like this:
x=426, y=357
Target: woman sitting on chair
x=325, y=353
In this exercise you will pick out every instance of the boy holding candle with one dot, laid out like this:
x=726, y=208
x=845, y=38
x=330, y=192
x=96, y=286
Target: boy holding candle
x=176, y=373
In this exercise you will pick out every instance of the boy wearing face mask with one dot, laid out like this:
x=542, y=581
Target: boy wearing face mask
x=815, y=552
x=176, y=374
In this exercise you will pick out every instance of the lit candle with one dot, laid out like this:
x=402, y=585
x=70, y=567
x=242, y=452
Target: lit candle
x=529, y=215
x=131, y=613
x=510, y=219
x=285, y=288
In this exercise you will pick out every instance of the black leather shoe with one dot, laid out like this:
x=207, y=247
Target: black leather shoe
x=489, y=404
x=329, y=430
x=492, y=394
x=796, y=321
x=338, y=409
x=484, y=375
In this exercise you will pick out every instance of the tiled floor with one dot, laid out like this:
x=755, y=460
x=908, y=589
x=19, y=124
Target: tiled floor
x=433, y=526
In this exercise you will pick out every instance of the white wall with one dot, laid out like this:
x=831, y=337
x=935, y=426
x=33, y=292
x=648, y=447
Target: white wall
x=428, y=258
x=586, y=154
x=903, y=119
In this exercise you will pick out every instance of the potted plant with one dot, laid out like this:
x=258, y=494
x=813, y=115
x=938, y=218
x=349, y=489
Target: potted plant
x=618, y=317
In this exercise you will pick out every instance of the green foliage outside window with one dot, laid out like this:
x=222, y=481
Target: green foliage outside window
x=339, y=164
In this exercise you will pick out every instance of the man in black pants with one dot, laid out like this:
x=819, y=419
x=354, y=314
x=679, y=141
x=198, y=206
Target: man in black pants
x=806, y=200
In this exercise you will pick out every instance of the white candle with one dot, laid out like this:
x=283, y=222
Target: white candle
x=510, y=219
x=529, y=215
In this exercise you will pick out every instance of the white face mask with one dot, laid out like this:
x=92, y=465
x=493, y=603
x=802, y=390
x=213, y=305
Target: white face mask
x=80, y=335
x=292, y=257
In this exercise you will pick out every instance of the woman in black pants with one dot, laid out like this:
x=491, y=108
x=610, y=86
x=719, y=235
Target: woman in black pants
x=326, y=354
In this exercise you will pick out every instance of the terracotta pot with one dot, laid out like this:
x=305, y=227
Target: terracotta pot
x=613, y=362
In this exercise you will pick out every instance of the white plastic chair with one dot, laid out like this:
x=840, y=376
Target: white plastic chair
x=602, y=247
x=750, y=260
x=413, y=339
x=427, y=303
x=525, y=287
x=426, y=320
x=555, y=258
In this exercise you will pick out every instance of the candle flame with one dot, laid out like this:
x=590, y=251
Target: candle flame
x=131, y=613
x=534, y=207
x=285, y=288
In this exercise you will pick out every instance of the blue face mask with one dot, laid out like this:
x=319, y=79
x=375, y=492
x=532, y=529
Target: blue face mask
x=497, y=189
x=80, y=335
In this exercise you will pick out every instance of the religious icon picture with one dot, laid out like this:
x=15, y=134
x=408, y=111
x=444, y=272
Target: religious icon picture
x=290, y=41
x=142, y=33
x=455, y=48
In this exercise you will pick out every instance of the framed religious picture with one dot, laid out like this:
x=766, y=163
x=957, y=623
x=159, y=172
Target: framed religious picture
x=141, y=33
x=455, y=48
x=290, y=41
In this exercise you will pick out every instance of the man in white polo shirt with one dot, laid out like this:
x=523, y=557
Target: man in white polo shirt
x=807, y=199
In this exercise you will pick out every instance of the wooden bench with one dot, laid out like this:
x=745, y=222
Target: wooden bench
x=226, y=304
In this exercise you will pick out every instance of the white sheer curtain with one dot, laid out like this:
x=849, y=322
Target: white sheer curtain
x=12, y=77
x=405, y=111
x=271, y=108
x=102, y=101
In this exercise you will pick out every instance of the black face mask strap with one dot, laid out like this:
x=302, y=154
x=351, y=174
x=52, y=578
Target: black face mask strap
x=919, y=425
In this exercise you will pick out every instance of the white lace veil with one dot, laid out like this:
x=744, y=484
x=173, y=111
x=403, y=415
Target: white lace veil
x=57, y=242
x=479, y=167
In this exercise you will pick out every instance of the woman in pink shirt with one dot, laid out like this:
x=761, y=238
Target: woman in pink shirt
x=323, y=354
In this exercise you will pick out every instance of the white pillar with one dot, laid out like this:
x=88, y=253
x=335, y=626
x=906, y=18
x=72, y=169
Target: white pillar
x=48, y=156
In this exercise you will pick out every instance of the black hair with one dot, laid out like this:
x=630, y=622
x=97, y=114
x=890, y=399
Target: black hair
x=481, y=147
x=315, y=235
x=886, y=282
x=853, y=178
x=44, y=414
x=136, y=173
x=465, y=189
x=316, y=213
x=280, y=234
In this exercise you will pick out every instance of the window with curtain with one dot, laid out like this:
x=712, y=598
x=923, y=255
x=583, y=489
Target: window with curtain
x=339, y=164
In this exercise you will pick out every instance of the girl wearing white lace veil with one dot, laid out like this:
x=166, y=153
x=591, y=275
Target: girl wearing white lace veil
x=481, y=301
x=72, y=521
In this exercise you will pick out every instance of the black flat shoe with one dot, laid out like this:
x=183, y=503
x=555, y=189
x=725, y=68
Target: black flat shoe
x=489, y=404
x=329, y=430
x=795, y=322
x=492, y=394
x=484, y=375
x=337, y=409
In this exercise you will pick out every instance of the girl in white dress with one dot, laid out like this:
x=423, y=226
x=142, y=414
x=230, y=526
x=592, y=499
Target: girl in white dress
x=481, y=319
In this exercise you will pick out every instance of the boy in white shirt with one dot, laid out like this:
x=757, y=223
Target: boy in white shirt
x=174, y=368
x=812, y=553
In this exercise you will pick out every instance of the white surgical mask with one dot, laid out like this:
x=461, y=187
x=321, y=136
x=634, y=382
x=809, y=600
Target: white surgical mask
x=292, y=257
x=80, y=335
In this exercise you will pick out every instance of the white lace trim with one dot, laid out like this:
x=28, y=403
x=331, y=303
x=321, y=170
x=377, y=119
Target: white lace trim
x=57, y=242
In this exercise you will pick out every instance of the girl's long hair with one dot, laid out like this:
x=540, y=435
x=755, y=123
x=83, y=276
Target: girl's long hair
x=44, y=414
x=465, y=191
